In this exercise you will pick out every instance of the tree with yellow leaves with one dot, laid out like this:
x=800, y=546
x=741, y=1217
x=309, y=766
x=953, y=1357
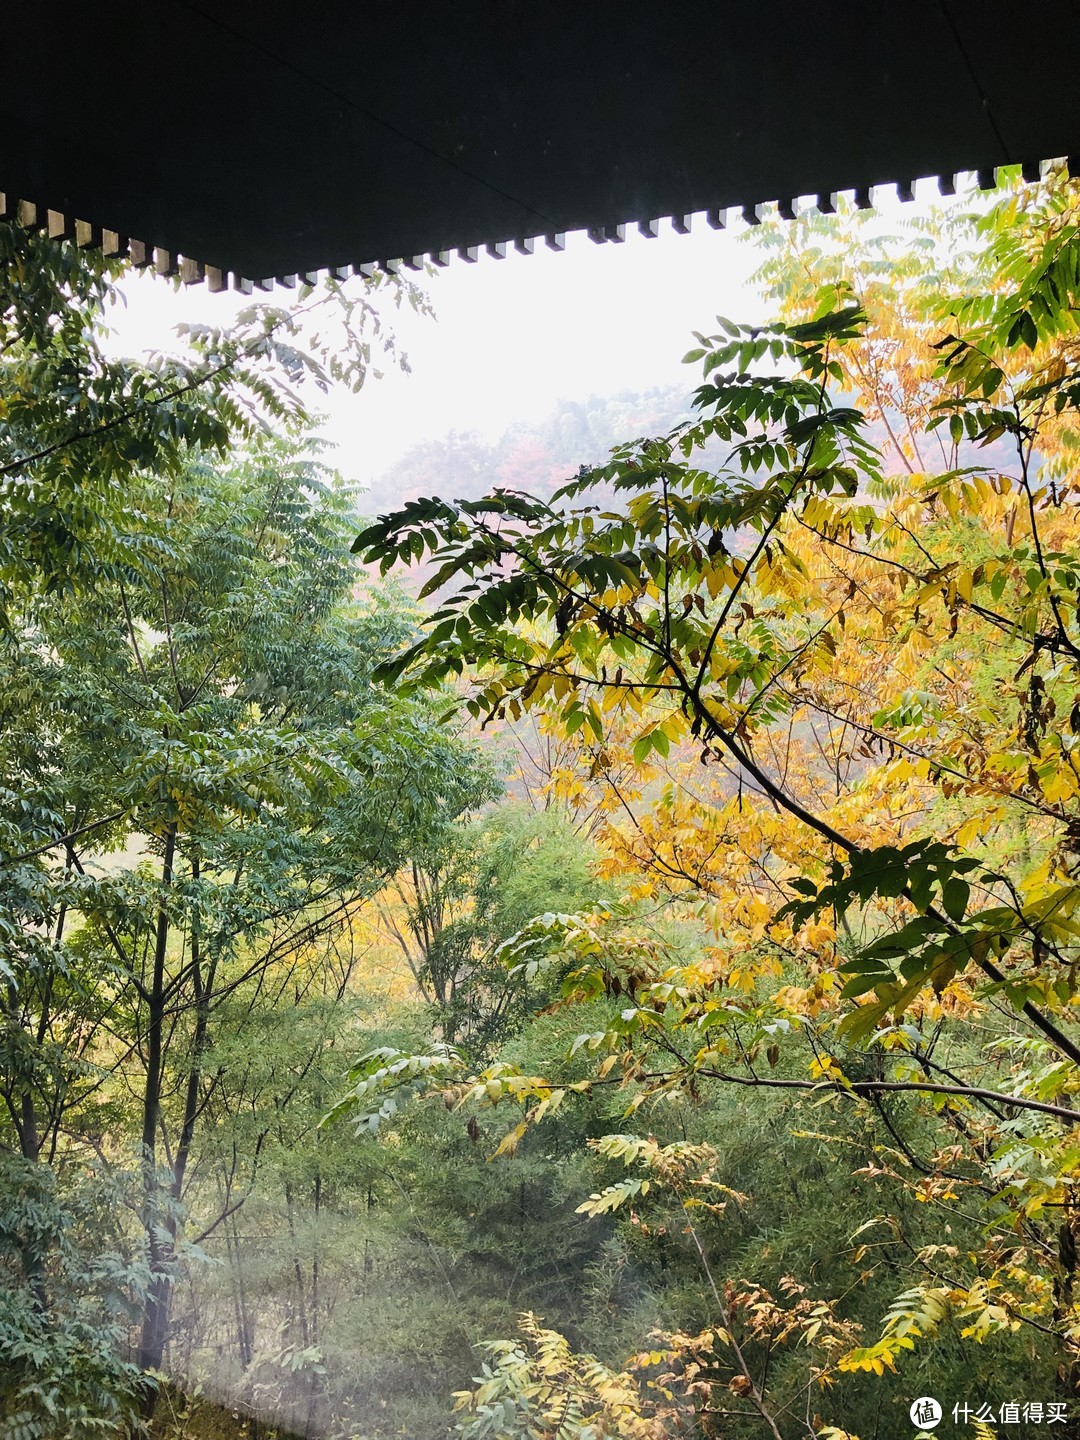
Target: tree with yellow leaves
x=848, y=677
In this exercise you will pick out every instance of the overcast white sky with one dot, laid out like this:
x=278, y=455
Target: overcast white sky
x=511, y=337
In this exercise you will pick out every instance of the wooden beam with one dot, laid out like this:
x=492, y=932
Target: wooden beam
x=87, y=236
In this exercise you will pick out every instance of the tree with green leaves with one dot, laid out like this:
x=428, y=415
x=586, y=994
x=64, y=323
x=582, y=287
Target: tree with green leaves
x=218, y=718
x=466, y=889
x=200, y=784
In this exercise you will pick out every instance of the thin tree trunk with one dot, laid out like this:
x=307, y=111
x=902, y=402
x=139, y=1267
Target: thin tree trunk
x=1068, y=1369
x=313, y=1392
x=298, y=1274
x=244, y=1335
x=156, y=1310
x=368, y=1262
x=201, y=995
x=33, y=1260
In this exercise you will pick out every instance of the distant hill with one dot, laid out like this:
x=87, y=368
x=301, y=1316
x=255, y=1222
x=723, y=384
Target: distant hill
x=536, y=458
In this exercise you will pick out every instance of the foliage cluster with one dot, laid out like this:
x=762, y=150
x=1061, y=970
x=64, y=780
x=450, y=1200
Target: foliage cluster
x=715, y=1075
x=828, y=689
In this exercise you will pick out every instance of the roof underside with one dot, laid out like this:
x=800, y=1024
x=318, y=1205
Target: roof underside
x=265, y=139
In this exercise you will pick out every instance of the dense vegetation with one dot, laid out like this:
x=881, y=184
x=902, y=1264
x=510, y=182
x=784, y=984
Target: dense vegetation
x=631, y=993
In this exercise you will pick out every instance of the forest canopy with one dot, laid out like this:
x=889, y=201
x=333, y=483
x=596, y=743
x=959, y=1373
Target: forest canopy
x=630, y=991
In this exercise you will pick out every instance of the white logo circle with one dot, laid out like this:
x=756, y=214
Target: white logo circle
x=925, y=1412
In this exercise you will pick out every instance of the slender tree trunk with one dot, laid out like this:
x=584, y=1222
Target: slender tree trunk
x=28, y=1130
x=313, y=1390
x=368, y=1262
x=156, y=1311
x=1068, y=1370
x=315, y=1261
x=244, y=1333
x=29, y=1139
x=298, y=1274
x=33, y=1261
x=201, y=994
